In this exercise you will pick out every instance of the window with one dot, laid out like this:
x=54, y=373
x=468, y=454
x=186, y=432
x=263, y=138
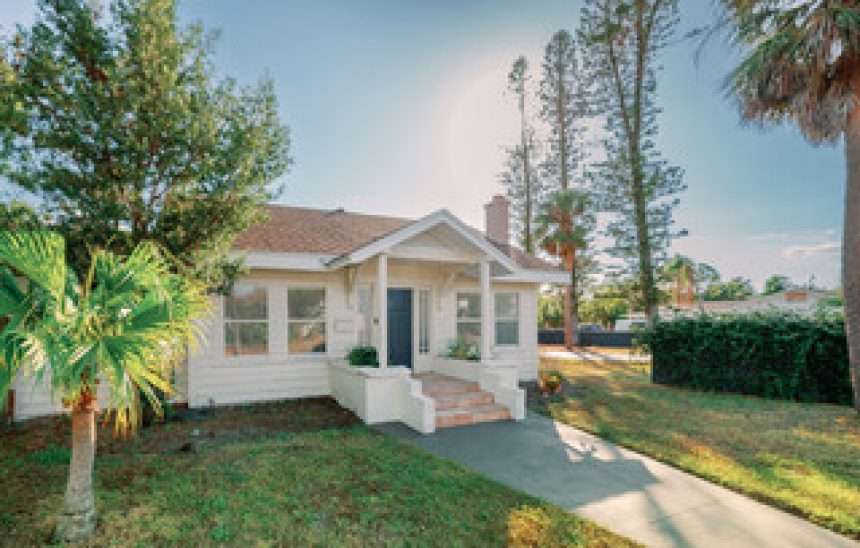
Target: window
x=306, y=321
x=507, y=319
x=364, y=305
x=424, y=321
x=469, y=317
x=246, y=321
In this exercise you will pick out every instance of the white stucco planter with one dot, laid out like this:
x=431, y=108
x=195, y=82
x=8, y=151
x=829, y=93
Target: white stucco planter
x=380, y=395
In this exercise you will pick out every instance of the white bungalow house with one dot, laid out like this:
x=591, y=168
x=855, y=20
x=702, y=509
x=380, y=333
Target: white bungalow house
x=323, y=281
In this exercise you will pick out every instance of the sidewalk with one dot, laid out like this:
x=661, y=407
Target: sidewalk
x=631, y=494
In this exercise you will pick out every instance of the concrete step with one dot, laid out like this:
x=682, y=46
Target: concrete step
x=462, y=416
x=465, y=399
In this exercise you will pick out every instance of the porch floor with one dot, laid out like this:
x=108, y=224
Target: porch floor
x=460, y=402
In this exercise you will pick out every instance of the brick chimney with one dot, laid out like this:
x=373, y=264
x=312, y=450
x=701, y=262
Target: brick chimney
x=496, y=220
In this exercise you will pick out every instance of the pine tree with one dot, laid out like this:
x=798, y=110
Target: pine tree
x=520, y=178
x=562, y=108
x=116, y=126
x=622, y=41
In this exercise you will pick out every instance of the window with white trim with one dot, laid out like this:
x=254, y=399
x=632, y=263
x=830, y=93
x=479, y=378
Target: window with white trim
x=423, y=321
x=469, y=317
x=364, y=307
x=306, y=321
x=507, y=319
x=246, y=321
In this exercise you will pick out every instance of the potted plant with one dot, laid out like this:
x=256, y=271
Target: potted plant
x=550, y=384
x=460, y=349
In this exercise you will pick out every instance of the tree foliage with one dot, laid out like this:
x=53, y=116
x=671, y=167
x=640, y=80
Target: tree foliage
x=736, y=289
x=622, y=40
x=118, y=127
x=521, y=178
x=776, y=283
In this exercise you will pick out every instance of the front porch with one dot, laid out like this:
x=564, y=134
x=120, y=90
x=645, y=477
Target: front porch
x=452, y=393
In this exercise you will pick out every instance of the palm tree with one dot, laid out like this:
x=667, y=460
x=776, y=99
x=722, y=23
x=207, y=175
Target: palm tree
x=802, y=64
x=124, y=325
x=563, y=227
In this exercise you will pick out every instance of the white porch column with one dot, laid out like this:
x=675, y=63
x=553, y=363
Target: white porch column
x=486, y=311
x=382, y=302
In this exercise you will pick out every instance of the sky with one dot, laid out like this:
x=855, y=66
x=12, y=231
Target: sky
x=399, y=107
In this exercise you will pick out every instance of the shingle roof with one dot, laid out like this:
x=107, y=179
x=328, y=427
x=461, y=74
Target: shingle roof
x=336, y=232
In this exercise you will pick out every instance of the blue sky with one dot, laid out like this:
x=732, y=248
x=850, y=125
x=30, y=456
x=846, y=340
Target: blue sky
x=398, y=107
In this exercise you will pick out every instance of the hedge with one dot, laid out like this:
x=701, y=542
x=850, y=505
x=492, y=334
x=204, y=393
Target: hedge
x=780, y=357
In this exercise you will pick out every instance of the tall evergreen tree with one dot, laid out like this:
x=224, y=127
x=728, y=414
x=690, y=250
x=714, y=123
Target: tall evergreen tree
x=562, y=106
x=622, y=41
x=520, y=178
x=802, y=64
x=118, y=128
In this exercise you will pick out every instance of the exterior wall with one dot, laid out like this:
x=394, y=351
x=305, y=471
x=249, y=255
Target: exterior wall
x=33, y=400
x=216, y=379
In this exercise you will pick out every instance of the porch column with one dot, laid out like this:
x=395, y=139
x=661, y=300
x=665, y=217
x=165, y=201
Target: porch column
x=486, y=311
x=382, y=302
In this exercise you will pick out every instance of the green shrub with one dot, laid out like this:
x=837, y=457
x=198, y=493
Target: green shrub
x=461, y=349
x=365, y=356
x=51, y=455
x=775, y=356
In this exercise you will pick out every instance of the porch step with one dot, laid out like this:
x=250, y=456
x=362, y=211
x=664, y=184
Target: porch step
x=466, y=399
x=460, y=402
x=462, y=416
x=441, y=385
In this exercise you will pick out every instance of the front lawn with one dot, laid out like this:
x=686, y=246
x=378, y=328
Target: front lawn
x=804, y=458
x=299, y=473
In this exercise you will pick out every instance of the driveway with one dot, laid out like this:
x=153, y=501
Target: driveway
x=631, y=494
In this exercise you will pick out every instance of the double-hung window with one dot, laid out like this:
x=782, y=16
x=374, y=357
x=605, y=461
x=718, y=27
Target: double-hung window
x=306, y=321
x=469, y=317
x=507, y=319
x=246, y=321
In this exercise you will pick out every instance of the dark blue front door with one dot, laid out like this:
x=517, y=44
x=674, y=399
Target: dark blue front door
x=400, y=327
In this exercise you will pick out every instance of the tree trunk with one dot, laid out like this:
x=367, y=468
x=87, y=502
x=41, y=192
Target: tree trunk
x=851, y=248
x=78, y=519
x=571, y=308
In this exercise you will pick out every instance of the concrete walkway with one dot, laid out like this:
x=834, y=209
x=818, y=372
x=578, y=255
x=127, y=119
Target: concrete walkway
x=622, y=490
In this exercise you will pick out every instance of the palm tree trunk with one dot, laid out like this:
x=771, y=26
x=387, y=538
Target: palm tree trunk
x=79, y=515
x=851, y=249
x=571, y=310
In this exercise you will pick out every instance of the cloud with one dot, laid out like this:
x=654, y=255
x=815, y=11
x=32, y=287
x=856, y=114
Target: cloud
x=822, y=248
x=794, y=235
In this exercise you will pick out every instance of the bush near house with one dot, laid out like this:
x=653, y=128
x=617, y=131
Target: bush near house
x=363, y=356
x=780, y=357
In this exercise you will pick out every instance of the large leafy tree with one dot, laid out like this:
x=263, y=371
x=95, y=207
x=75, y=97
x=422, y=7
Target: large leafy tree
x=622, y=40
x=520, y=176
x=118, y=329
x=564, y=226
x=802, y=63
x=118, y=128
x=562, y=108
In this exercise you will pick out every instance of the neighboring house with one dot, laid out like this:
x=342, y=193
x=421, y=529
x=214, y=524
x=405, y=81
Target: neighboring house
x=798, y=301
x=313, y=291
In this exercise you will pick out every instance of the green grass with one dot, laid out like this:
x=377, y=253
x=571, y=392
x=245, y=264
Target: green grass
x=248, y=482
x=804, y=458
